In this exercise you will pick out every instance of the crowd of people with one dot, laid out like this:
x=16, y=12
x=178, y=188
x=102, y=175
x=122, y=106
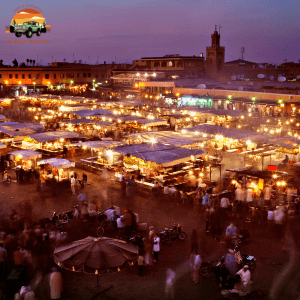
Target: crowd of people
x=26, y=249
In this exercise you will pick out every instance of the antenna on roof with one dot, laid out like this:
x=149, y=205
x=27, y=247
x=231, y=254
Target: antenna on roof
x=216, y=27
x=242, y=52
x=220, y=29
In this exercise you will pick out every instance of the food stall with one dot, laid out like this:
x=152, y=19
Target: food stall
x=87, y=127
x=51, y=142
x=148, y=159
x=58, y=168
x=178, y=139
x=15, y=132
x=25, y=158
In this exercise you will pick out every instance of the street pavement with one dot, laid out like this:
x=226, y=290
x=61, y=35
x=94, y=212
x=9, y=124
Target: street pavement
x=264, y=243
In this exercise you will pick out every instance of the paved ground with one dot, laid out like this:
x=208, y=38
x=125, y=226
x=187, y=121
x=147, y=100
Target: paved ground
x=127, y=284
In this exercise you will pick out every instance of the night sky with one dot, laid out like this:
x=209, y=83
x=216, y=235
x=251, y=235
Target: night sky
x=131, y=29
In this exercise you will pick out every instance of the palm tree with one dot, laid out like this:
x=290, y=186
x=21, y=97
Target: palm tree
x=1, y=62
x=33, y=62
x=30, y=61
x=27, y=61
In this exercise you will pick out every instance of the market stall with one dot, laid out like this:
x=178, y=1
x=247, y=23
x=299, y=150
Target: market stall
x=57, y=168
x=150, y=158
x=15, y=131
x=25, y=158
x=87, y=127
x=95, y=148
x=50, y=142
x=168, y=138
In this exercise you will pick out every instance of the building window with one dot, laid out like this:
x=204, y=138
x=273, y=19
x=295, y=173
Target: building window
x=102, y=75
x=23, y=76
x=170, y=64
x=46, y=76
x=96, y=76
x=164, y=64
x=77, y=75
x=0, y=75
x=54, y=76
x=62, y=75
x=29, y=76
x=10, y=76
x=89, y=75
x=37, y=76
x=84, y=75
x=16, y=76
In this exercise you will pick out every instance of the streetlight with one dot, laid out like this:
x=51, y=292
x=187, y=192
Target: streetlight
x=71, y=81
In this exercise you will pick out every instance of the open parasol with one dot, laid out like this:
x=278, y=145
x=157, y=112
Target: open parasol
x=96, y=256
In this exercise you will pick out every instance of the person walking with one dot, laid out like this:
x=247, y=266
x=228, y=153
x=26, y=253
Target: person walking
x=56, y=284
x=141, y=265
x=230, y=262
x=148, y=257
x=37, y=180
x=195, y=263
x=73, y=185
x=127, y=219
x=169, y=290
x=43, y=181
x=123, y=185
x=156, y=247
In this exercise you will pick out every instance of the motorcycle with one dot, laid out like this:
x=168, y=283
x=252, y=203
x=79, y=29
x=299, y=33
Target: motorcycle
x=168, y=235
x=209, y=267
x=244, y=259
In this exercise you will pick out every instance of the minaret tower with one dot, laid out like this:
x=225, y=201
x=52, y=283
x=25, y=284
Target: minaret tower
x=215, y=55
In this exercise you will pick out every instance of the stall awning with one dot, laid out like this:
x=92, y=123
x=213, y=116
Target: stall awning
x=152, y=122
x=91, y=112
x=168, y=137
x=26, y=154
x=55, y=135
x=87, y=121
x=59, y=163
x=97, y=145
x=164, y=155
x=20, y=129
x=231, y=133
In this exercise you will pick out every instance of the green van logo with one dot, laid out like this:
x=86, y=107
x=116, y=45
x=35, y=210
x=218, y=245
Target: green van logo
x=28, y=22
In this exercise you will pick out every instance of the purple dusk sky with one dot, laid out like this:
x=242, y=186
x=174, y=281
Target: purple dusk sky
x=131, y=29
